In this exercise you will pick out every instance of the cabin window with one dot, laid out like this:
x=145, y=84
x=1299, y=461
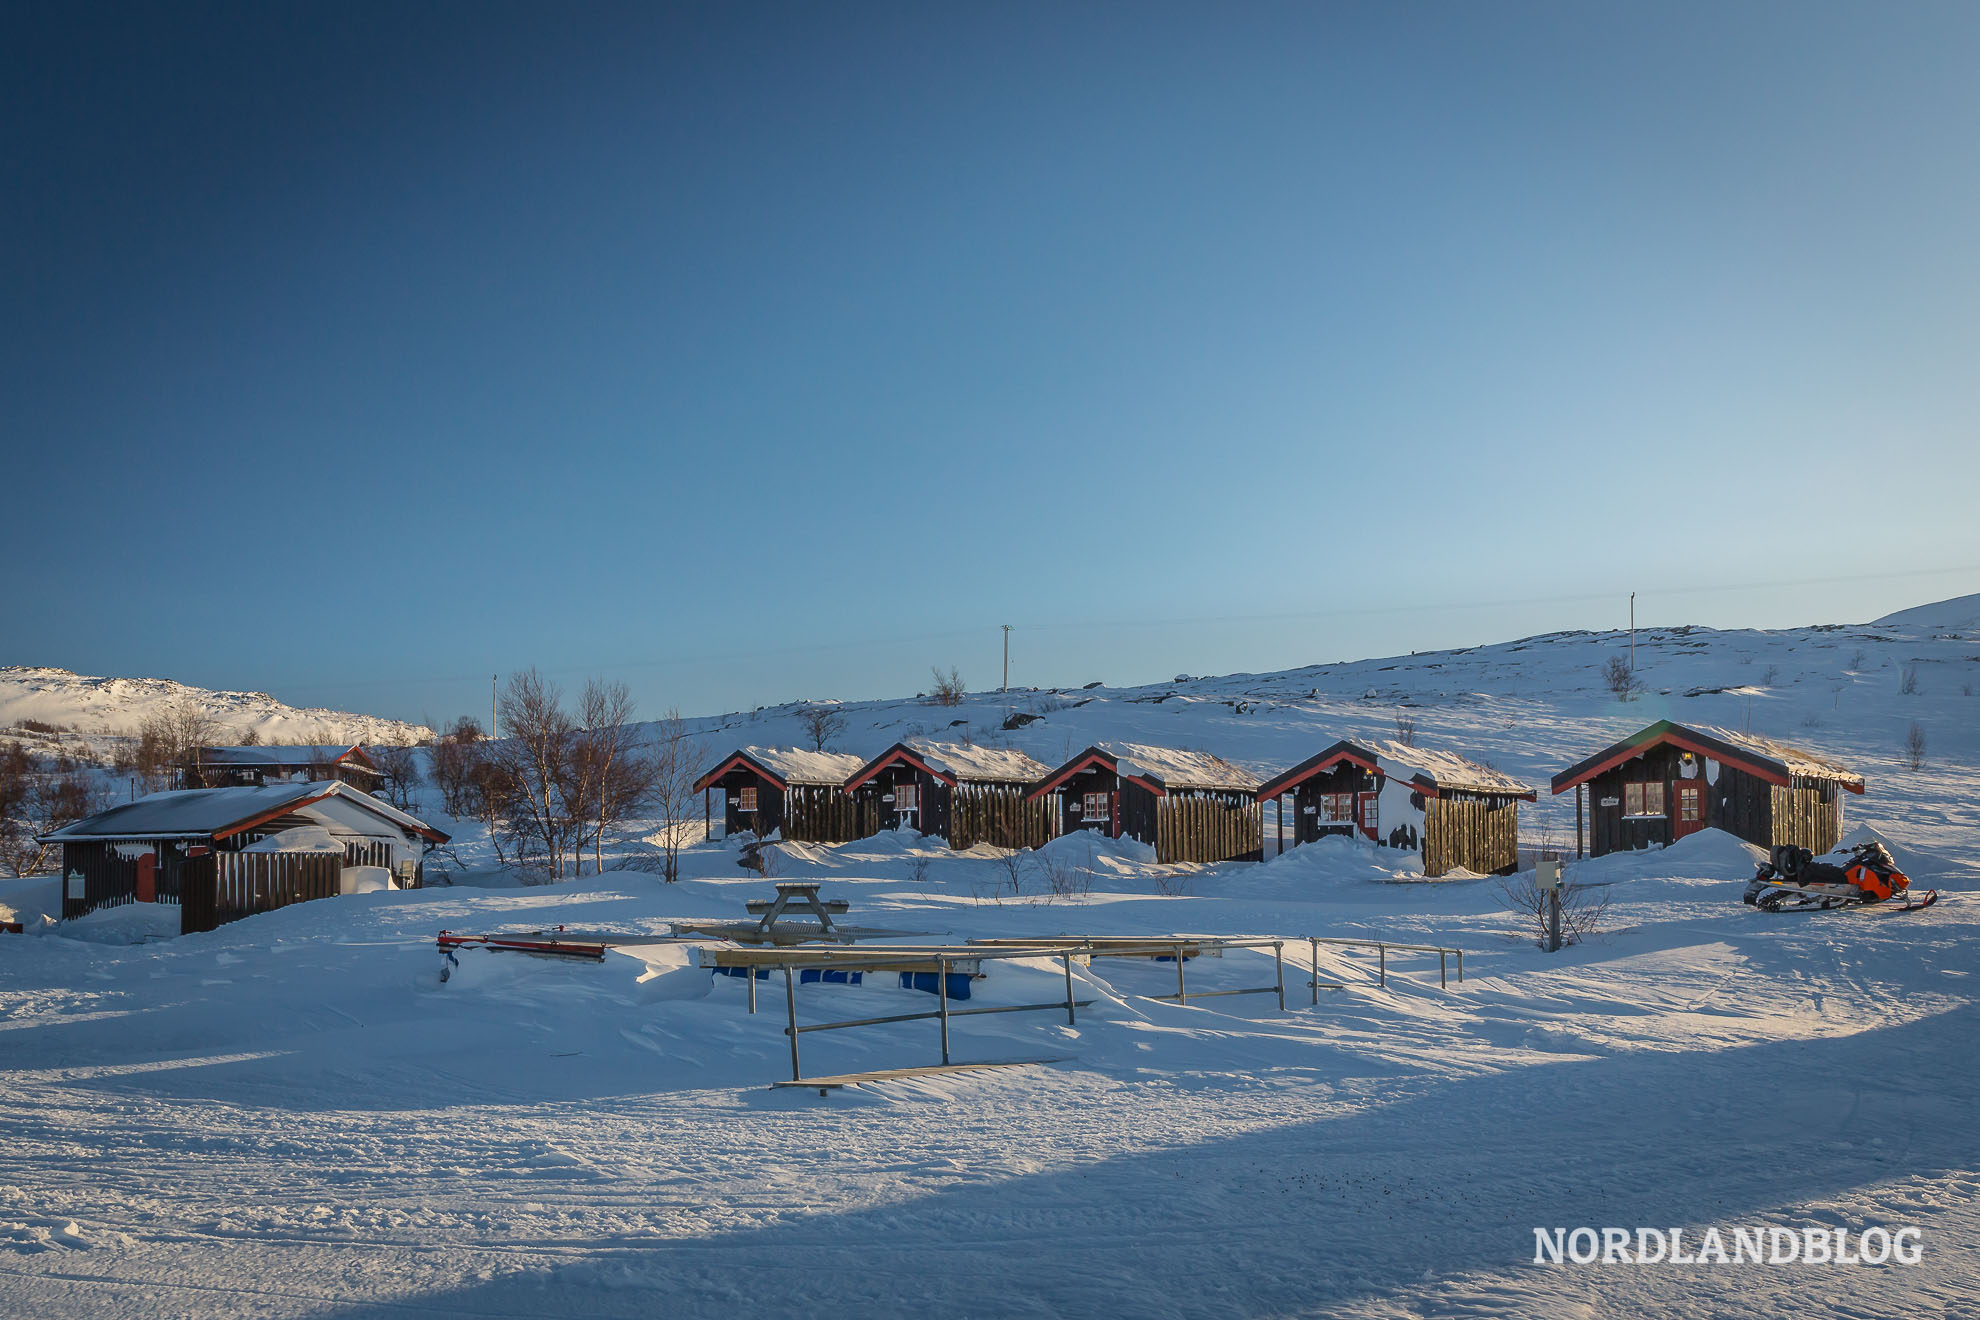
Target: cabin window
x=1643, y=799
x=1336, y=809
x=1094, y=807
x=746, y=798
x=905, y=796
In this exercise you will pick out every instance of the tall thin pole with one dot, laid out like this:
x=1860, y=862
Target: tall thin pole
x=491, y=704
x=1632, y=632
x=1007, y=659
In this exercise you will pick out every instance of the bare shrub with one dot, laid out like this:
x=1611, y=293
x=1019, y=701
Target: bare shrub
x=37, y=797
x=918, y=870
x=1856, y=661
x=1771, y=676
x=1012, y=864
x=1405, y=729
x=821, y=725
x=1582, y=906
x=949, y=689
x=1062, y=876
x=1908, y=681
x=1173, y=883
x=1914, y=746
x=1620, y=679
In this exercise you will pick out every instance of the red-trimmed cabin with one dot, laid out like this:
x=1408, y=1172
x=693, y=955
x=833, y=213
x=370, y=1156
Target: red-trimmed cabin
x=1669, y=780
x=965, y=794
x=230, y=767
x=1189, y=806
x=1452, y=811
x=764, y=790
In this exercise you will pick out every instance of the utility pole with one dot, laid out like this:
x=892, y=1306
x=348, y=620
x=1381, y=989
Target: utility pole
x=1632, y=632
x=491, y=704
x=1007, y=659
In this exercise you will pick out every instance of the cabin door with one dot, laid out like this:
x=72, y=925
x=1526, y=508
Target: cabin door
x=1687, y=808
x=147, y=878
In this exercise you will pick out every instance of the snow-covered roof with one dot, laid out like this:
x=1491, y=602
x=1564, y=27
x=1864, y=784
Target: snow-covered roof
x=1426, y=767
x=203, y=812
x=1174, y=767
x=285, y=754
x=1004, y=765
x=792, y=765
x=1795, y=760
x=1441, y=769
x=1776, y=762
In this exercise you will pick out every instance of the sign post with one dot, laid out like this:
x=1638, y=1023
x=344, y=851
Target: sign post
x=1548, y=873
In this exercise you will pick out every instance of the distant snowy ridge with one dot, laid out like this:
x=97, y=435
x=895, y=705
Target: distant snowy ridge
x=1958, y=615
x=99, y=710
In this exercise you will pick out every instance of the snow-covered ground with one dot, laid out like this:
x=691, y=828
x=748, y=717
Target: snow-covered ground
x=294, y=1115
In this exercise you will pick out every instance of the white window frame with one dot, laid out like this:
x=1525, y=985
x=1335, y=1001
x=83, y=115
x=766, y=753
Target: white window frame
x=1105, y=800
x=907, y=797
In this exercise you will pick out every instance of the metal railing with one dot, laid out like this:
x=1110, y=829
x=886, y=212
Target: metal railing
x=1179, y=947
x=1382, y=948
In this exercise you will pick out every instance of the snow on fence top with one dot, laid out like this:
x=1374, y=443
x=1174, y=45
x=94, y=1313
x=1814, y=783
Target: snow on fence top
x=1173, y=767
x=1004, y=765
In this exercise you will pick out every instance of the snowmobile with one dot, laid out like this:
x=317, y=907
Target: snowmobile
x=1795, y=880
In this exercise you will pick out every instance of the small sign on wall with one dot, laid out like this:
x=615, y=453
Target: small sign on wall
x=77, y=885
x=1612, y=802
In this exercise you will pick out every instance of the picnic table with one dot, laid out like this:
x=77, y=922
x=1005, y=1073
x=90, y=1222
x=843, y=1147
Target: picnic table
x=799, y=897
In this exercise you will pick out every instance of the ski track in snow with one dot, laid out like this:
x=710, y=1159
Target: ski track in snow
x=292, y=1116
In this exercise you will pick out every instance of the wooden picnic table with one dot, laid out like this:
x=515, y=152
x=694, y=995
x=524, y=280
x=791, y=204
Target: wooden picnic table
x=798, y=897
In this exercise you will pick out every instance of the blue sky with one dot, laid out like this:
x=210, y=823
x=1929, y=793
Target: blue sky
x=759, y=352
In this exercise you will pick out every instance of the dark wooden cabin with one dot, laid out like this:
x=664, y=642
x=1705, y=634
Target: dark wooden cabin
x=1453, y=812
x=1189, y=806
x=1670, y=780
x=217, y=852
x=965, y=794
x=231, y=767
x=764, y=790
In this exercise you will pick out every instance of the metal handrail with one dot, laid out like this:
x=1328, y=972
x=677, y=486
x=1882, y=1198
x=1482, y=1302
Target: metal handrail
x=1382, y=948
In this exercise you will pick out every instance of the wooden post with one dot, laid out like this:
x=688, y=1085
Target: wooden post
x=1382, y=962
x=1182, y=993
x=1442, y=981
x=752, y=989
x=1579, y=789
x=790, y=1003
x=942, y=1001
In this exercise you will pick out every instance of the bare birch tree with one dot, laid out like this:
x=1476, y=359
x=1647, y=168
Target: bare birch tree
x=536, y=757
x=674, y=763
x=612, y=782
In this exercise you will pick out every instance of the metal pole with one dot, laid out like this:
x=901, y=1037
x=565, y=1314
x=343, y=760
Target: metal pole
x=1632, y=633
x=752, y=988
x=1313, y=947
x=491, y=704
x=1382, y=957
x=1071, y=1020
x=1007, y=659
x=790, y=1003
x=1460, y=954
x=1182, y=994
x=942, y=997
x=1553, y=921
x=1279, y=965
x=1441, y=981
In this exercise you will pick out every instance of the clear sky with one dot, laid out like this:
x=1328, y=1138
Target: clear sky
x=754, y=352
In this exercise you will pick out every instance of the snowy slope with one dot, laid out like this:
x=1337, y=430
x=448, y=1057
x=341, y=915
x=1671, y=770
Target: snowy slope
x=99, y=711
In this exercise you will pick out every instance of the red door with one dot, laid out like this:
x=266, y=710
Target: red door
x=1689, y=805
x=147, y=878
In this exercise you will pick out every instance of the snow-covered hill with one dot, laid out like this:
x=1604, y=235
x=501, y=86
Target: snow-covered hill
x=90, y=715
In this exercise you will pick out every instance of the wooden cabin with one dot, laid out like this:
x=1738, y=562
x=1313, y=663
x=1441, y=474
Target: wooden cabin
x=764, y=790
x=1670, y=780
x=966, y=794
x=1453, y=812
x=1189, y=806
x=209, y=849
x=231, y=767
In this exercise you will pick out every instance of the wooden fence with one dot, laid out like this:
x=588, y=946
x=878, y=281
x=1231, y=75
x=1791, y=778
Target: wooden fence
x=1801, y=817
x=823, y=814
x=236, y=885
x=1000, y=816
x=1207, y=829
x=1470, y=832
